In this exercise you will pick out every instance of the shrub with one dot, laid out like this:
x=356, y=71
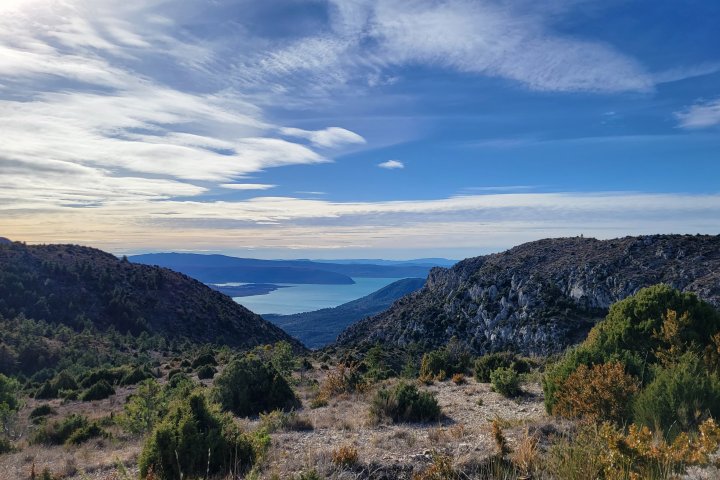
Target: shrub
x=404, y=404
x=98, y=391
x=135, y=376
x=95, y=376
x=282, y=358
x=679, y=398
x=58, y=432
x=433, y=365
x=636, y=332
x=6, y=446
x=486, y=364
x=505, y=381
x=376, y=362
x=249, y=386
x=85, y=433
x=668, y=340
x=64, y=381
x=278, y=420
x=192, y=439
x=204, y=358
x=345, y=378
x=206, y=372
x=46, y=391
x=640, y=454
x=144, y=408
x=601, y=393
x=346, y=456
x=42, y=410
x=438, y=364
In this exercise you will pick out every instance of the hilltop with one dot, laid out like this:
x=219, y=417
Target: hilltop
x=539, y=297
x=80, y=286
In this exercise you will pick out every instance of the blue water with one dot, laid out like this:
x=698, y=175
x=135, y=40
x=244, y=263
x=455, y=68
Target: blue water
x=306, y=298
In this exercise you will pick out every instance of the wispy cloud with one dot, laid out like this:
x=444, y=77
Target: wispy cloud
x=485, y=38
x=247, y=186
x=700, y=115
x=328, y=138
x=392, y=165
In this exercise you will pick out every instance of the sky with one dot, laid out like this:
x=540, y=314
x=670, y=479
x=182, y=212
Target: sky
x=356, y=128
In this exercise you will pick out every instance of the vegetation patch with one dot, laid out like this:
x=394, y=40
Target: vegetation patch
x=248, y=386
x=404, y=403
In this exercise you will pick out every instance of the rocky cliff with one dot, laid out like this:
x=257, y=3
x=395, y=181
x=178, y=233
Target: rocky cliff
x=542, y=296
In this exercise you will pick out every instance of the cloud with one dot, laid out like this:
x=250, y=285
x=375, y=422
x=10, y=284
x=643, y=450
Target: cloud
x=331, y=137
x=392, y=165
x=700, y=115
x=471, y=222
x=247, y=186
x=495, y=39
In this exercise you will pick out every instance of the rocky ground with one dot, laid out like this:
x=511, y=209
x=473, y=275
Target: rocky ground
x=464, y=432
x=390, y=451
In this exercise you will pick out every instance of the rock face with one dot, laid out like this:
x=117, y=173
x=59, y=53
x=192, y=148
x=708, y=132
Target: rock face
x=76, y=285
x=541, y=296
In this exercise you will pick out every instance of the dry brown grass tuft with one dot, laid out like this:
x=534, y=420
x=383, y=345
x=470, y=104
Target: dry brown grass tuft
x=345, y=456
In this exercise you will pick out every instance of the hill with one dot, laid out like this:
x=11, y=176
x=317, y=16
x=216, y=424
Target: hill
x=321, y=327
x=80, y=286
x=225, y=269
x=541, y=296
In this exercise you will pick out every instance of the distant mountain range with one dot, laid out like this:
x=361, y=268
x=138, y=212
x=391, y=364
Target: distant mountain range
x=321, y=327
x=425, y=262
x=77, y=286
x=539, y=297
x=224, y=269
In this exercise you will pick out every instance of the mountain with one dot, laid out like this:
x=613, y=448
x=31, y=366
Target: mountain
x=419, y=262
x=321, y=327
x=542, y=296
x=77, y=286
x=5, y=241
x=225, y=269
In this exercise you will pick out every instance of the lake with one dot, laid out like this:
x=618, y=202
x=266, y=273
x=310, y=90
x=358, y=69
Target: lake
x=297, y=298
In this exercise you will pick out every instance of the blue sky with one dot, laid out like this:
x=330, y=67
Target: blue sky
x=363, y=128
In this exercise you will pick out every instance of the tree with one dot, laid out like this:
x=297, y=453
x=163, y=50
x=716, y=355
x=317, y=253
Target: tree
x=282, y=358
x=144, y=408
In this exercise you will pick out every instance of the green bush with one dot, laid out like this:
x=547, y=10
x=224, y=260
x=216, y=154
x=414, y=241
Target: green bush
x=204, y=358
x=46, y=391
x=6, y=446
x=185, y=437
x=505, y=381
x=404, y=403
x=669, y=341
x=144, y=408
x=679, y=398
x=85, y=433
x=58, y=432
x=443, y=363
x=98, y=391
x=64, y=381
x=486, y=364
x=206, y=371
x=42, y=411
x=249, y=386
x=111, y=376
x=135, y=376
